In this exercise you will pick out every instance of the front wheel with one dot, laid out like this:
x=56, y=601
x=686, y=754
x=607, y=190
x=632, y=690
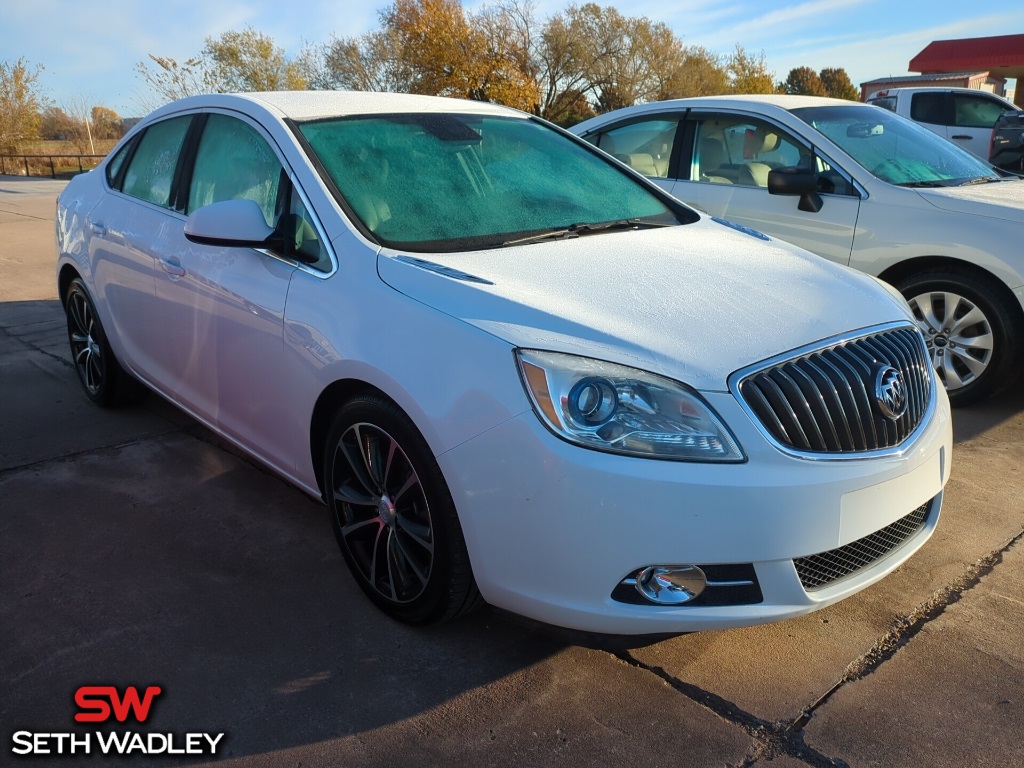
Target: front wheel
x=393, y=515
x=971, y=335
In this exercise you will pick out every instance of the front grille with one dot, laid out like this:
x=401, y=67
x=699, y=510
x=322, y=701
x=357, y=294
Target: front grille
x=825, y=401
x=822, y=570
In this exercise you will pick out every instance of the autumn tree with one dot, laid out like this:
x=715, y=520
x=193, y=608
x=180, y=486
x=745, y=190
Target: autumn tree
x=804, y=81
x=837, y=84
x=106, y=123
x=21, y=103
x=250, y=61
x=235, y=61
x=702, y=73
x=749, y=73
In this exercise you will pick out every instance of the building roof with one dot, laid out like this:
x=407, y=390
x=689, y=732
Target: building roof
x=1002, y=55
x=925, y=78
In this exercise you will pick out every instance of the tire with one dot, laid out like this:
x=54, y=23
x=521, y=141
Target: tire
x=971, y=332
x=104, y=380
x=393, y=515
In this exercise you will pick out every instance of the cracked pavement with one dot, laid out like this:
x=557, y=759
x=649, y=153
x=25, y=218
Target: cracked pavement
x=135, y=548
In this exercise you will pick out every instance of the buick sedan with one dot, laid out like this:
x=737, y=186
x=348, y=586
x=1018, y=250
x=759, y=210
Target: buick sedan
x=514, y=371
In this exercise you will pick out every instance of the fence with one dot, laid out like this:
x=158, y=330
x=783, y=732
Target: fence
x=54, y=166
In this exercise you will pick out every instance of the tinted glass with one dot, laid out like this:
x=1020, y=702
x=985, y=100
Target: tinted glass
x=893, y=149
x=645, y=147
x=445, y=182
x=151, y=171
x=931, y=108
x=234, y=162
x=976, y=111
x=114, y=166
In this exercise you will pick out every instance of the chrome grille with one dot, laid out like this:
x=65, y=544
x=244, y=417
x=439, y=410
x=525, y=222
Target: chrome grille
x=824, y=401
x=819, y=571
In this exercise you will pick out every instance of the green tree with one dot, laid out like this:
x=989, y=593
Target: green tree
x=837, y=84
x=749, y=73
x=804, y=81
x=21, y=104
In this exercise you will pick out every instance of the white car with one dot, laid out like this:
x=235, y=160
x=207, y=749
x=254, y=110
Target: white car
x=862, y=187
x=514, y=371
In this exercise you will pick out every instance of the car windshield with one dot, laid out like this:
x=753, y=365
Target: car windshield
x=446, y=182
x=894, y=149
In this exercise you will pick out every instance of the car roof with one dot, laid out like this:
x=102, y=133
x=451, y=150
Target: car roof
x=773, y=103
x=314, y=105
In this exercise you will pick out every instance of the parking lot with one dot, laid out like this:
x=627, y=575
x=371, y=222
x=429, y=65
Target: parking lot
x=136, y=549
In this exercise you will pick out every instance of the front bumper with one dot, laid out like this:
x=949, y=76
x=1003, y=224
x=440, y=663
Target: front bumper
x=553, y=529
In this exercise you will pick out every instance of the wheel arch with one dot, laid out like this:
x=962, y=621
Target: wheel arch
x=331, y=399
x=64, y=278
x=905, y=269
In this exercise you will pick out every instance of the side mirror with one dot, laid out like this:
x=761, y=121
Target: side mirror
x=797, y=182
x=231, y=223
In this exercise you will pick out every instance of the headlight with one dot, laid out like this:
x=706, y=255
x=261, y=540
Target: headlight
x=613, y=408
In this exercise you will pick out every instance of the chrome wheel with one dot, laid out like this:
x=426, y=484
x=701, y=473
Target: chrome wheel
x=384, y=519
x=958, y=334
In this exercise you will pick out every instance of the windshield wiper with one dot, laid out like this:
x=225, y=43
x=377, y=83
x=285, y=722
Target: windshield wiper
x=582, y=228
x=923, y=184
x=981, y=180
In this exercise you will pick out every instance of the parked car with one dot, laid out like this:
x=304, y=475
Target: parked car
x=965, y=116
x=859, y=186
x=1007, y=143
x=513, y=370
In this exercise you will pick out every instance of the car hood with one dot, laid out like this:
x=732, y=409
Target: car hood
x=693, y=302
x=997, y=200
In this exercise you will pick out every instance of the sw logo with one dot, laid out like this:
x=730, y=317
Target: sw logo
x=98, y=702
x=104, y=704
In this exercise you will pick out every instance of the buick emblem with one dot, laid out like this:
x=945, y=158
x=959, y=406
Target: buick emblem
x=890, y=392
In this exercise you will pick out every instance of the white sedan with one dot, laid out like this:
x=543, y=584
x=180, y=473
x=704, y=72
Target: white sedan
x=514, y=371
x=862, y=187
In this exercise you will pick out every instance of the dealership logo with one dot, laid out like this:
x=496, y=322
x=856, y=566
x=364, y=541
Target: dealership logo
x=104, y=704
x=890, y=392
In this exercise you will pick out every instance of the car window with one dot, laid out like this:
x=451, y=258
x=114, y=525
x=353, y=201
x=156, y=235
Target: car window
x=150, y=172
x=893, y=149
x=644, y=146
x=735, y=149
x=233, y=162
x=976, y=111
x=447, y=182
x=885, y=102
x=114, y=166
x=303, y=235
x=931, y=108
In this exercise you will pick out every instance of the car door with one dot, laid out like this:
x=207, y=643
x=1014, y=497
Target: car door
x=223, y=306
x=129, y=230
x=724, y=170
x=973, y=118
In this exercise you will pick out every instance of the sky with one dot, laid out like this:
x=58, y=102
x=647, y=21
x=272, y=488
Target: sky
x=90, y=48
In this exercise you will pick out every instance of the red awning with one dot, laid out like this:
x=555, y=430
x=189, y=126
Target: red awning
x=997, y=55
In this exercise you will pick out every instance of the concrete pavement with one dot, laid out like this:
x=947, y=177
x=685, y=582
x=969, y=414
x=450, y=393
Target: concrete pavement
x=136, y=550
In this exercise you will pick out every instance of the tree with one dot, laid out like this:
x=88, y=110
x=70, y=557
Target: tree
x=702, y=73
x=21, y=104
x=249, y=61
x=837, y=84
x=749, y=73
x=804, y=81
x=171, y=80
x=106, y=123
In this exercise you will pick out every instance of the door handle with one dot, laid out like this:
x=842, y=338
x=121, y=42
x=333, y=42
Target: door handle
x=961, y=136
x=97, y=229
x=171, y=268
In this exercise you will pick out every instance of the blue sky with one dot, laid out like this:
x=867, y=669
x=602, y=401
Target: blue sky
x=89, y=48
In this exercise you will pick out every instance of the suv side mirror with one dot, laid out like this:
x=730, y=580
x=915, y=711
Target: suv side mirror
x=797, y=181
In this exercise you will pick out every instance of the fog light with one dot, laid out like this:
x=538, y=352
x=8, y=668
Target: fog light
x=671, y=584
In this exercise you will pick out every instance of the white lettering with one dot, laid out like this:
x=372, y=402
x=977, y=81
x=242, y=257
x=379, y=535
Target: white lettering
x=138, y=743
x=23, y=742
x=85, y=743
x=120, y=740
x=213, y=742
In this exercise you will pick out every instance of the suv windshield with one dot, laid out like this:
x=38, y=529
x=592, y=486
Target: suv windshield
x=894, y=149
x=446, y=182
